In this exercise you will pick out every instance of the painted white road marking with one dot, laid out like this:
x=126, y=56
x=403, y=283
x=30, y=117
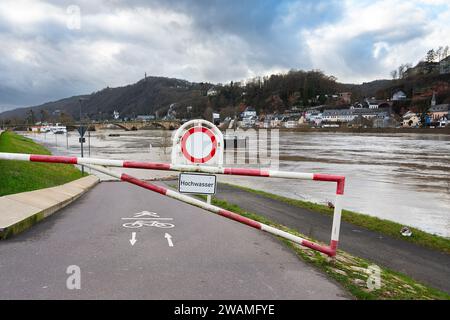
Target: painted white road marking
x=169, y=239
x=133, y=238
x=140, y=223
x=148, y=219
x=145, y=213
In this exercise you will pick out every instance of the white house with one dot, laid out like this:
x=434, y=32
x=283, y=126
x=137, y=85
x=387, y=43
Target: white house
x=342, y=115
x=399, y=95
x=316, y=118
x=444, y=65
x=410, y=119
x=248, y=113
x=372, y=103
x=211, y=92
x=348, y=115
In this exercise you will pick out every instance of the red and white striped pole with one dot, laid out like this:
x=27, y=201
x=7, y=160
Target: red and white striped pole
x=209, y=207
x=340, y=180
x=93, y=163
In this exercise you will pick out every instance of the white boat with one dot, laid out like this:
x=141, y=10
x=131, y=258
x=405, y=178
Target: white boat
x=45, y=129
x=291, y=124
x=55, y=129
x=58, y=129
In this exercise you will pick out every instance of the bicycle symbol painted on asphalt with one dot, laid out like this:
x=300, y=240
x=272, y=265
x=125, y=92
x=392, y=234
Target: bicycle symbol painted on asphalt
x=148, y=219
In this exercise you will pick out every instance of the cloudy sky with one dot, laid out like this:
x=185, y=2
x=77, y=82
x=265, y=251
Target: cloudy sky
x=48, y=51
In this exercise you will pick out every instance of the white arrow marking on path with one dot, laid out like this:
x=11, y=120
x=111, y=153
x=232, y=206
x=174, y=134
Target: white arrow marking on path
x=169, y=239
x=133, y=238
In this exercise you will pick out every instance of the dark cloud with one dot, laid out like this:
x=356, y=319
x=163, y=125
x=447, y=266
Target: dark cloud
x=202, y=40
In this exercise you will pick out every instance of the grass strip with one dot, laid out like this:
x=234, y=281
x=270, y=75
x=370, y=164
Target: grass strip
x=383, y=226
x=349, y=271
x=353, y=273
x=22, y=176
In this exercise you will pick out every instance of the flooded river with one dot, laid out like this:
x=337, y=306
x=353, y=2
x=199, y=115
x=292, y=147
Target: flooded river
x=399, y=177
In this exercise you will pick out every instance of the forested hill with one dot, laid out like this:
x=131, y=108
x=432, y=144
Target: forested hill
x=147, y=96
x=155, y=95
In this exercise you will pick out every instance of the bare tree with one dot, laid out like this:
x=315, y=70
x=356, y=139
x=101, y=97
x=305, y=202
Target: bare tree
x=445, y=52
x=394, y=74
x=431, y=56
x=401, y=71
x=439, y=53
x=207, y=114
x=166, y=143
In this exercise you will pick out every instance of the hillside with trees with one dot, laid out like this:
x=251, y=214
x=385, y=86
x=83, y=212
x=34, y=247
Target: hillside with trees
x=420, y=82
x=155, y=95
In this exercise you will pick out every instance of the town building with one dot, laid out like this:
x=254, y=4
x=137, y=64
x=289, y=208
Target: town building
x=411, y=119
x=338, y=115
x=248, y=112
x=357, y=105
x=348, y=115
x=444, y=65
x=386, y=122
x=398, y=95
x=346, y=97
x=439, y=111
x=249, y=117
x=314, y=117
x=275, y=120
x=211, y=92
x=290, y=124
x=373, y=103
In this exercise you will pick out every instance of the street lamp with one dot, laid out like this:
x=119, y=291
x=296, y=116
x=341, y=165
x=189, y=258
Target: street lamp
x=80, y=100
x=81, y=133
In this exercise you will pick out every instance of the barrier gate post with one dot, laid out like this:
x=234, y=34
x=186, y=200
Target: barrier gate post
x=96, y=163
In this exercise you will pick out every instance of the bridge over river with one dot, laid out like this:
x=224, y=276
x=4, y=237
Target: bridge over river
x=126, y=125
x=137, y=125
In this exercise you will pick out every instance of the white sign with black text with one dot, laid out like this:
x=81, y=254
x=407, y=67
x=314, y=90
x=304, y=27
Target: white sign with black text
x=197, y=183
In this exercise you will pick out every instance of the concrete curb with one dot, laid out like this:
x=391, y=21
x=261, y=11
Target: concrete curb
x=22, y=210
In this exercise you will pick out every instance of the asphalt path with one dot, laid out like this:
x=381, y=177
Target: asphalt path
x=426, y=265
x=211, y=257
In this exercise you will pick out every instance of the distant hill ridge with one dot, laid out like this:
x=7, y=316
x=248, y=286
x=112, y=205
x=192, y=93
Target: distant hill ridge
x=275, y=93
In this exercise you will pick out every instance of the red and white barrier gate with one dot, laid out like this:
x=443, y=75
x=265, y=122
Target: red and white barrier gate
x=95, y=163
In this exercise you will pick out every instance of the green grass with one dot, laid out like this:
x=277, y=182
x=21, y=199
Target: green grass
x=21, y=176
x=386, y=227
x=348, y=270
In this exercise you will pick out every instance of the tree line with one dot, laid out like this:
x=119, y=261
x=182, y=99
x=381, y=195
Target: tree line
x=432, y=56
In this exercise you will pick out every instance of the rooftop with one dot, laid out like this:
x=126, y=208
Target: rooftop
x=439, y=108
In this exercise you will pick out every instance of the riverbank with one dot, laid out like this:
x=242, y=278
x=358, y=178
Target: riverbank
x=417, y=262
x=383, y=226
x=344, y=129
x=18, y=176
x=350, y=271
